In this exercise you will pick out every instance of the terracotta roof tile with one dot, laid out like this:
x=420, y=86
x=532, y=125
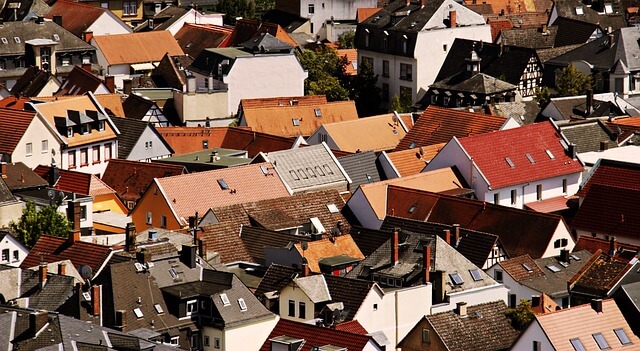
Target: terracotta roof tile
x=365, y=12
x=13, y=125
x=14, y=103
x=491, y=150
x=407, y=162
x=497, y=26
x=244, y=184
x=137, y=47
x=77, y=17
x=51, y=249
x=315, y=336
x=376, y=133
x=438, y=125
x=613, y=173
x=515, y=267
x=352, y=327
x=330, y=247
x=76, y=182
x=551, y=205
x=281, y=120
x=193, y=38
x=130, y=179
x=559, y=332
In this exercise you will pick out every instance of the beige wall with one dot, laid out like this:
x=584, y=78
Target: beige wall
x=413, y=341
x=297, y=295
x=10, y=212
x=199, y=106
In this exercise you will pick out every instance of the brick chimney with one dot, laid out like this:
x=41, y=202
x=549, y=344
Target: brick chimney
x=130, y=237
x=452, y=19
x=96, y=291
x=62, y=268
x=589, y=102
x=612, y=246
x=188, y=255
x=456, y=234
x=42, y=274
x=395, y=246
x=305, y=268
x=121, y=320
x=54, y=175
x=439, y=287
x=75, y=212
x=604, y=145
x=564, y=255
x=202, y=249
x=37, y=321
x=447, y=236
x=535, y=300
x=110, y=83
x=596, y=304
x=127, y=86
x=143, y=256
x=426, y=263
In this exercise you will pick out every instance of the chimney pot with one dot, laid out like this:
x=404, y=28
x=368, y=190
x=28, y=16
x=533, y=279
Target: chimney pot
x=564, y=255
x=188, y=255
x=62, y=268
x=127, y=85
x=110, y=83
x=596, y=304
x=462, y=308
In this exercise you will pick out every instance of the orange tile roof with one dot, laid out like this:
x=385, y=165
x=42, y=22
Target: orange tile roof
x=629, y=122
x=554, y=204
x=352, y=60
x=376, y=133
x=245, y=184
x=408, y=163
x=59, y=108
x=559, y=332
x=78, y=17
x=137, y=47
x=13, y=125
x=330, y=247
x=280, y=120
x=111, y=102
x=76, y=182
x=14, y=103
x=366, y=12
x=307, y=100
x=438, y=125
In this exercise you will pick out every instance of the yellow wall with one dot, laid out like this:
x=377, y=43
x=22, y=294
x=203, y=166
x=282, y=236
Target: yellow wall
x=109, y=202
x=116, y=8
x=153, y=201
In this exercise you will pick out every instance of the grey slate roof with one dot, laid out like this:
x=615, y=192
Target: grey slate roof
x=555, y=284
x=533, y=38
x=567, y=9
x=56, y=291
x=485, y=328
x=256, y=239
x=130, y=132
x=525, y=112
x=587, y=135
x=266, y=43
x=275, y=279
x=362, y=168
x=30, y=30
x=550, y=53
x=480, y=83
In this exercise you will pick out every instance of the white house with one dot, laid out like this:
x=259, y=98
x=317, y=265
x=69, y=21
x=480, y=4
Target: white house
x=529, y=164
x=408, y=42
x=191, y=15
x=12, y=251
x=84, y=20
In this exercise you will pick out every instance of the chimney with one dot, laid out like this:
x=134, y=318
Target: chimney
x=452, y=19
x=121, y=320
x=110, y=83
x=572, y=151
x=544, y=28
x=447, y=236
x=188, y=255
x=305, y=268
x=191, y=85
x=95, y=299
x=456, y=234
x=604, y=145
x=37, y=321
x=153, y=235
x=87, y=67
x=426, y=263
x=535, y=300
x=589, y=108
x=43, y=274
x=130, y=237
x=422, y=3
x=596, y=304
x=462, y=308
x=439, y=286
x=395, y=246
x=564, y=255
x=87, y=36
x=3, y=169
x=62, y=268
x=54, y=175
x=143, y=256
x=612, y=40
x=408, y=2
x=57, y=20
x=74, y=211
x=612, y=246
x=202, y=248
x=126, y=86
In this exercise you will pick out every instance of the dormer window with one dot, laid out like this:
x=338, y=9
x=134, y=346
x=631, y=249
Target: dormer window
x=101, y=125
x=70, y=132
x=85, y=129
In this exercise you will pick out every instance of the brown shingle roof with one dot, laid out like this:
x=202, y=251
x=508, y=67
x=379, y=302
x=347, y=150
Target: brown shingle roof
x=130, y=179
x=13, y=125
x=20, y=176
x=193, y=38
x=77, y=17
x=76, y=182
x=51, y=249
x=137, y=47
x=515, y=267
x=599, y=275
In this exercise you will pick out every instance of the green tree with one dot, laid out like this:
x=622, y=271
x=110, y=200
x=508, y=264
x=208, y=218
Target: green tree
x=236, y=8
x=401, y=104
x=263, y=6
x=326, y=73
x=365, y=91
x=542, y=95
x=572, y=82
x=34, y=223
x=346, y=40
x=522, y=315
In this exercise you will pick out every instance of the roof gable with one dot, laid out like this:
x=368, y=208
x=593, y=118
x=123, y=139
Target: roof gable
x=130, y=179
x=13, y=125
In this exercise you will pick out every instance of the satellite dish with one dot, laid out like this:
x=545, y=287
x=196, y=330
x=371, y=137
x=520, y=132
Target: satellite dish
x=304, y=245
x=85, y=272
x=51, y=194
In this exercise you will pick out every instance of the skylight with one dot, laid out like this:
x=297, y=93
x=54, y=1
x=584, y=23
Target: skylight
x=296, y=122
x=56, y=37
x=509, y=162
x=475, y=274
x=577, y=344
x=225, y=299
x=138, y=312
x=622, y=336
x=158, y=308
x=549, y=154
x=553, y=268
x=456, y=278
x=413, y=145
x=333, y=208
x=576, y=258
x=413, y=208
x=601, y=341
x=530, y=158
x=243, y=305
x=16, y=39
x=223, y=185
x=564, y=264
x=579, y=10
x=318, y=112
x=527, y=267
x=608, y=8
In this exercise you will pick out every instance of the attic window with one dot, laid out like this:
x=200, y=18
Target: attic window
x=475, y=274
x=510, y=162
x=579, y=10
x=16, y=39
x=553, y=268
x=413, y=208
x=413, y=145
x=575, y=258
x=4, y=40
x=296, y=122
x=577, y=344
x=56, y=37
x=225, y=299
x=318, y=112
x=138, y=312
x=243, y=305
x=189, y=45
x=608, y=8
x=530, y=158
x=622, y=336
x=456, y=279
x=601, y=341
x=527, y=267
x=223, y=185
x=333, y=208
x=549, y=154
x=158, y=308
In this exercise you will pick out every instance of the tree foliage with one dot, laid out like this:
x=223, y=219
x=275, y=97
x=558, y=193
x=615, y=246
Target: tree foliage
x=522, y=315
x=365, y=91
x=346, y=40
x=34, y=223
x=326, y=73
x=401, y=104
x=572, y=82
x=542, y=95
x=236, y=8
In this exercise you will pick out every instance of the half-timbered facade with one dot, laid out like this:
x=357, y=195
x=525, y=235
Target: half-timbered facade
x=531, y=77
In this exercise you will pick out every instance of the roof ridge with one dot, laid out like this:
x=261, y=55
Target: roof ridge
x=80, y=4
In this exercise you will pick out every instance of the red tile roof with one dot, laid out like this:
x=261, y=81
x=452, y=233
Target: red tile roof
x=366, y=12
x=516, y=269
x=13, y=125
x=76, y=182
x=307, y=100
x=316, y=336
x=76, y=16
x=14, y=103
x=352, y=326
x=623, y=251
x=613, y=173
x=194, y=38
x=610, y=210
x=438, y=125
x=497, y=26
x=130, y=179
x=491, y=150
x=51, y=249
x=551, y=205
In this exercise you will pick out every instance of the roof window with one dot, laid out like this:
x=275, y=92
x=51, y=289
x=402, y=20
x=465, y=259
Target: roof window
x=16, y=39
x=294, y=175
x=549, y=154
x=579, y=10
x=413, y=145
x=158, y=308
x=601, y=341
x=413, y=208
x=225, y=299
x=56, y=37
x=527, y=267
x=475, y=274
x=223, y=185
x=577, y=344
x=456, y=278
x=553, y=268
x=530, y=158
x=4, y=40
x=622, y=336
x=510, y=162
x=242, y=304
x=575, y=258
x=296, y=122
x=333, y=208
x=138, y=312
x=318, y=112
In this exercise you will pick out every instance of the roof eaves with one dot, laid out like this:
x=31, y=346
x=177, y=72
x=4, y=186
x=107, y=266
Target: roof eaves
x=384, y=154
x=54, y=131
x=166, y=199
x=333, y=157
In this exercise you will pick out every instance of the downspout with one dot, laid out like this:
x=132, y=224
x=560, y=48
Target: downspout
x=397, y=322
x=523, y=193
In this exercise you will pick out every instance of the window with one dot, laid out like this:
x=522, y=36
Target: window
x=292, y=308
x=405, y=44
x=5, y=255
x=84, y=154
x=72, y=159
x=620, y=333
x=69, y=132
x=385, y=68
x=456, y=278
x=83, y=213
x=406, y=72
x=608, y=8
x=163, y=221
x=366, y=38
x=444, y=47
x=514, y=196
x=138, y=312
x=223, y=185
x=385, y=92
x=107, y=152
x=296, y=122
x=496, y=198
x=384, y=42
x=242, y=304
x=192, y=307
x=216, y=343
x=475, y=274
x=426, y=338
x=29, y=149
x=225, y=299
x=498, y=276
x=149, y=144
x=129, y=8
x=579, y=10
x=317, y=112
x=85, y=129
x=174, y=341
x=45, y=57
x=512, y=300
x=19, y=63
x=564, y=185
x=312, y=9
x=302, y=310
x=539, y=192
x=577, y=344
x=149, y=218
x=16, y=39
x=158, y=308
x=86, y=60
x=45, y=146
x=96, y=154
x=104, y=4
x=375, y=306
x=100, y=125
x=601, y=341
x=16, y=255
x=206, y=341
x=4, y=40
x=405, y=91
x=537, y=346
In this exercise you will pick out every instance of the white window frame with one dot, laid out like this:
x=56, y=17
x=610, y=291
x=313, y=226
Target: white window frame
x=29, y=149
x=149, y=218
x=194, y=310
